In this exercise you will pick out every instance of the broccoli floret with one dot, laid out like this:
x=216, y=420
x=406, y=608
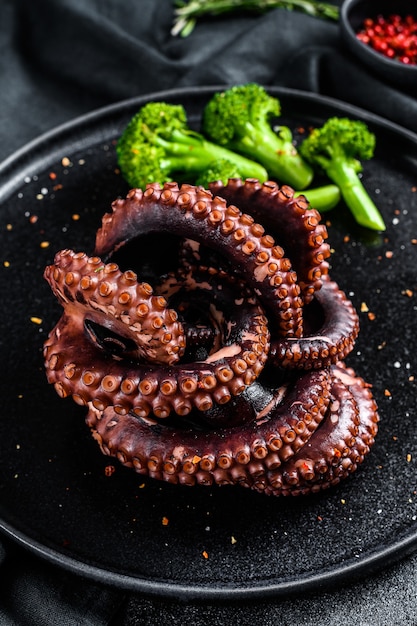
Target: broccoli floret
x=240, y=118
x=157, y=145
x=218, y=170
x=337, y=149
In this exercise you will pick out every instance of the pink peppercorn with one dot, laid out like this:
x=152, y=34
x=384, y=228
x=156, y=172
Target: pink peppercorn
x=394, y=36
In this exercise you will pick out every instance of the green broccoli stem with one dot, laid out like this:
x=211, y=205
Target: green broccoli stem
x=354, y=194
x=276, y=153
x=322, y=198
x=186, y=14
x=192, y=153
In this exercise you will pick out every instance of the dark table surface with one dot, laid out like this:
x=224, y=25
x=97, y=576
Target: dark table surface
x=63, y=58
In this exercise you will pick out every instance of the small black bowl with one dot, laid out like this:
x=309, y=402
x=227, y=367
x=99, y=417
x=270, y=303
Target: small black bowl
x=352, y=15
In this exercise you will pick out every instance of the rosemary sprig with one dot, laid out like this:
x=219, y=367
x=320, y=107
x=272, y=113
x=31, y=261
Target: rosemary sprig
x=186, y=14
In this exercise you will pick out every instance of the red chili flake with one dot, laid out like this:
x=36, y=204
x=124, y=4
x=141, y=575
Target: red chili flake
x=52, y=175
x=371, y=316
x=393, y=36
x=33, y=219
x=205, y=554
x=389, y=254
x=109, y=470
x=408, y=293
x=387, y=393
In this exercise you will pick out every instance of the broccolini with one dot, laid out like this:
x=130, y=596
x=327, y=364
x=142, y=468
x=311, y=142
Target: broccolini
x=158, y=145
x=240, y=118
x=337, y=149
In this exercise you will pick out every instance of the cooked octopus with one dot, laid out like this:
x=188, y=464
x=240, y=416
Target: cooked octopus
x=230, y=368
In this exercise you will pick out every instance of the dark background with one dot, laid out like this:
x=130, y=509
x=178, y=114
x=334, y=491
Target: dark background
x=62, y=58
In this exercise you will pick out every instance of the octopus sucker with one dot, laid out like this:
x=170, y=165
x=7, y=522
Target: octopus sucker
x=229, y=367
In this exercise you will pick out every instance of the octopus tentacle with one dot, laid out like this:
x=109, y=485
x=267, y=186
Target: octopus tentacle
x=194, y=212
x=224, y=455
x=325, y=343
x=116, y=300
x=276, y=458
x=290, y=220
x=330, y=321
x=338, y=446
x=142, y=387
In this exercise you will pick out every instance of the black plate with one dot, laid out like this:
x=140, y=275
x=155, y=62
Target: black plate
x=135, y=533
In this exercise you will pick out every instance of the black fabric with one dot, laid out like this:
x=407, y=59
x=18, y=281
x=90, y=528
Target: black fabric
x=62, y=58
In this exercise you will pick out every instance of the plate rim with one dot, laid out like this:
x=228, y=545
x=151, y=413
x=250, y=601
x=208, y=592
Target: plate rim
x=333, y=575
x=254, y=591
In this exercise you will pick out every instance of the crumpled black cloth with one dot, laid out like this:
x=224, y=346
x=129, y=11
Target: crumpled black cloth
x=62, y=58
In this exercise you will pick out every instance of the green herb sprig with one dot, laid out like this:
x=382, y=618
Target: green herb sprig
x=186, y=14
